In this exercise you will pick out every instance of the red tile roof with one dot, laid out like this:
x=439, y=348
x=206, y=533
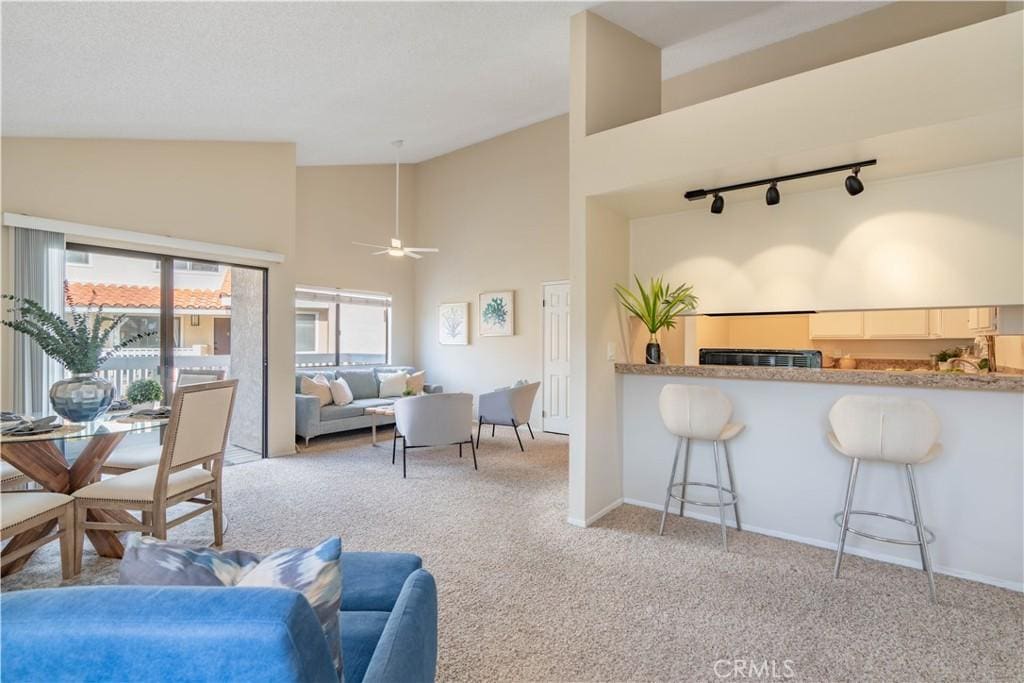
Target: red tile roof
x=133, y=296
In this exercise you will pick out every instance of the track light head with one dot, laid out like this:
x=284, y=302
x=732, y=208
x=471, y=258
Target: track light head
x=853, y=184
x=718, y=204
x=772, y=196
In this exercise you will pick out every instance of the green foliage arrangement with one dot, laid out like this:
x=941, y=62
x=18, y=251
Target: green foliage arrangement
x=78, y=345
x=948, y=354
x=659, y=304
x=144, y=390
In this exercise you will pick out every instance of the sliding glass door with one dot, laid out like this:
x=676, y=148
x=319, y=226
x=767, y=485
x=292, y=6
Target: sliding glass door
x=205, y=320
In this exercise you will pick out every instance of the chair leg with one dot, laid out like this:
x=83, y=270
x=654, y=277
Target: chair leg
x=515, y=428
x=79, y=548
x=394, y=446
x=531, y=430
x=492, y=430
x=686, y=476
x=160, y=522
x=721, y=501
x=926, y=559
x=850, y=486
x=474, y=450
x=66, y=525
x=479, y=428
x=147, y=520
x=732, y=485
x=668, y=491
x=403, y=457
x=460, y=450
x=218, y=513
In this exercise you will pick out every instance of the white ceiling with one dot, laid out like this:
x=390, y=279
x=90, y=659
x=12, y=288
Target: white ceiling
x=339, y=79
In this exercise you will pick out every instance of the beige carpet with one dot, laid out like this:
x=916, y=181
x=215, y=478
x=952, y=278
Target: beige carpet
x=526, y=597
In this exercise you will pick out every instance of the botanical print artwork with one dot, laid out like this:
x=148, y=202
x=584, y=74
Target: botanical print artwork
x=496, y=314
x=453, y=323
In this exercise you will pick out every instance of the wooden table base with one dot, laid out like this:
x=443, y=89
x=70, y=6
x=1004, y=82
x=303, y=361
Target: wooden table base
x=45, y=463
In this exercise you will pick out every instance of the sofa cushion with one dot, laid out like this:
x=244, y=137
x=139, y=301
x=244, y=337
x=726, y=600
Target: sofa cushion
x=392, y=385
x=373, y=581
x=317, y=386
x=299, y=374
x=360, y=632
x=364, y=403
x=336, y=412
x=363, y=383
x=340, y=391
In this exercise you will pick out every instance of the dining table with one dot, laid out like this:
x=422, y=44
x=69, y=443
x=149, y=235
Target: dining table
x=66, y=459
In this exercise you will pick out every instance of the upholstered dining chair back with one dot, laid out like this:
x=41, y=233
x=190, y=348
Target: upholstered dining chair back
x=694, y=412
x=200, y=419
x=434, y=419
x=891, y=428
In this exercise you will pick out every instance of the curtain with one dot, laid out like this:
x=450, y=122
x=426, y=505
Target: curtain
x=38, y=270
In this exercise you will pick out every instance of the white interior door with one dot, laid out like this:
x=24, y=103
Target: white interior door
x=556, y=357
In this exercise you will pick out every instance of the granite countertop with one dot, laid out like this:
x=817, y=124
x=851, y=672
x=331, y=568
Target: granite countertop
x=929, y=380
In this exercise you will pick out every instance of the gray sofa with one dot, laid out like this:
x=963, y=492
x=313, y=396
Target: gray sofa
x=311, y=420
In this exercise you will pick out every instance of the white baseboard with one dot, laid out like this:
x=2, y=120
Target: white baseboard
x=830, y=545
x=575, y=521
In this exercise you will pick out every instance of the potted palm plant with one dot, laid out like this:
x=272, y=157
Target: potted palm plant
x=657, y=307
x=78, y=344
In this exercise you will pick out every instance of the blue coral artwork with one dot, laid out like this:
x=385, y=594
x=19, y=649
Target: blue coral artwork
x=496, y=314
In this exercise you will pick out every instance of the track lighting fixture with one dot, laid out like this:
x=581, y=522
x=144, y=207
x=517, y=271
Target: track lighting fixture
x=772, y=196
x=853, y=184
x=718, y=204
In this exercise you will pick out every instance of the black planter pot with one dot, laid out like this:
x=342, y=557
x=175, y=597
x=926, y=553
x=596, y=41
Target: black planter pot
x=653, y=354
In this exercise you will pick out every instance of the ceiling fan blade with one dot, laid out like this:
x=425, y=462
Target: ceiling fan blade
x=374, y=246
x=378, y=253
x=411, y=255
x=427, y=249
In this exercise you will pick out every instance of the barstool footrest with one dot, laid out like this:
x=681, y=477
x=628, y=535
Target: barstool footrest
x=725, y=503
x=838, y=517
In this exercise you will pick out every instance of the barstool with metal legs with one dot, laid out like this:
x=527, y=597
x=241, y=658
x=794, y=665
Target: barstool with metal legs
x=899, y=431
x=699, y=413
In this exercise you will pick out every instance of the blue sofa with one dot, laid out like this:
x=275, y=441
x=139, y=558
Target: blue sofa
x=311, y=420
x=151, y=633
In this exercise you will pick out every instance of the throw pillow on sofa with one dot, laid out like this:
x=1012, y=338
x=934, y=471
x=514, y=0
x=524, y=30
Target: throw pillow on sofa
x=393, y=385
x=314, y=572
x=317, y=386
x=341, y=392
x=416, y=382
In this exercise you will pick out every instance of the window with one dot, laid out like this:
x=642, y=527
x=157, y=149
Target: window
x=77, y=258
x=192, y=266
x=341, y=328
x=305, y=332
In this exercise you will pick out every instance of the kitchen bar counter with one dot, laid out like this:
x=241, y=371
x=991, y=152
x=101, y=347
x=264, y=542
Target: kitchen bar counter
x=895, y=378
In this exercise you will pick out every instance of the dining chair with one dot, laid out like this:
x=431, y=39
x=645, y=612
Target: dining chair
x=11, y=478
x=190, y=466
x=27, y=510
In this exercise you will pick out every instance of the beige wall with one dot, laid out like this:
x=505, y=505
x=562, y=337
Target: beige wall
x=939, y=240
x=891, y=25
x=498, y=212
x=239, y=194
x=337, y=205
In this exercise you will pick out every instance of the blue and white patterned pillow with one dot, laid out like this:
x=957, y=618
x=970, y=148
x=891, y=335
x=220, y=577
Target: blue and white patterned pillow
x=314, y=572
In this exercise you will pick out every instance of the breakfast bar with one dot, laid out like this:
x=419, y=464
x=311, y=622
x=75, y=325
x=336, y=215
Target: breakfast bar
x=790, y=481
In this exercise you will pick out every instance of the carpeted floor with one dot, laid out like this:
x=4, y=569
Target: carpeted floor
x=526, y=597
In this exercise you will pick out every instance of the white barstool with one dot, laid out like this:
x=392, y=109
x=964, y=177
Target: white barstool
x=900, y=431
x=699, y=413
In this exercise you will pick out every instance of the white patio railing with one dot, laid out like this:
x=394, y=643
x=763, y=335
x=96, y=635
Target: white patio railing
x=135, y=364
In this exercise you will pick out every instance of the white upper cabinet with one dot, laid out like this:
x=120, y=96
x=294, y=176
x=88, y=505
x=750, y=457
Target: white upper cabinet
x=950, y=323
x=837, y=325
x=912, y=324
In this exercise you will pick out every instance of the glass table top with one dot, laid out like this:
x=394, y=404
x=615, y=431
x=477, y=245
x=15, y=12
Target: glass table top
x=109, y=423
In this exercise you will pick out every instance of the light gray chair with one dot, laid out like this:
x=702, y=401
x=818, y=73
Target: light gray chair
x=885, y=429
x=433, y=420
x=510, y=406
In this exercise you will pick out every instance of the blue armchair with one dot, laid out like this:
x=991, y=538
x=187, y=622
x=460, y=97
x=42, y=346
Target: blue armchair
x=150, y=633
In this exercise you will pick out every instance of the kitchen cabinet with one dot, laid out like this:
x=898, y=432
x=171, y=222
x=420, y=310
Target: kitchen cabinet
x=909, y=324
x=836, y=325
x=950, y=323
x=981, y=320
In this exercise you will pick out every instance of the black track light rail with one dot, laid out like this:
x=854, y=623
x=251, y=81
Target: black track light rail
x=701, y=194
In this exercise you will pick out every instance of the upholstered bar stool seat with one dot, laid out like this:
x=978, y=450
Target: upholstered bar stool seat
x=24, y=510
x=703, y=414
x=885, y=429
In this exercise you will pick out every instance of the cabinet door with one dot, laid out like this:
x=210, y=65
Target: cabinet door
x=980, y=320
x=951, y=323
x=837, y=325
x=912, y=324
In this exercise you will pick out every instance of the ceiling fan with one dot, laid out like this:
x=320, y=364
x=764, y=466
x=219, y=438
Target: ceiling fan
x=396, y=248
